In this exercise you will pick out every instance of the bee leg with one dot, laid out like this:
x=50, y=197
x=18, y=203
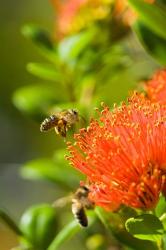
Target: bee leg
x=56, y=130
x=62, y=128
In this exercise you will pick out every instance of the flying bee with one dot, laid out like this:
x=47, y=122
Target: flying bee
x=61, y=121
x=80, y=202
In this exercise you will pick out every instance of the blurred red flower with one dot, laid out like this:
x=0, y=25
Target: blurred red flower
x=73, y=15
x=123, y=12
x=124, y=154
x=156, y=87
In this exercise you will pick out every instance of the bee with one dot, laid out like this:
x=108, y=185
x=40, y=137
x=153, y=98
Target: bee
x=79, y=203
x=61, y=121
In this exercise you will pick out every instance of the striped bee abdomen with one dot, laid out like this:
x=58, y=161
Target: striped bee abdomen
x=79, y=213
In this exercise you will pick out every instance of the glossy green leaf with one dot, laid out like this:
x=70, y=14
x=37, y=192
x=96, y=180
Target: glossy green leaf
x=45, y=71
x=153, y=43
x=70, y=48
x=145, y=227
x=35, y=100
x=56, y=171
x=152, y=15
x=39, y=225
x=115, y=226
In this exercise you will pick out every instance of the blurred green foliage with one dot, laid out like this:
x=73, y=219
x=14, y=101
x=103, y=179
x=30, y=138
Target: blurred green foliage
x=79, y=71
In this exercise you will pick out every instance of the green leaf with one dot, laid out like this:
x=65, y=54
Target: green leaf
x=70, y=48
x=39, y=225
x=56, y=171
x=35, y=100
x=42, y=40
x=164, y=241
x=152, y=15
x=115, y=226
x=153, y=43
x=161, y=207
x=38, y=35
x=65, y=234
x=145, y=227
x=45, y=71
x=68, y=232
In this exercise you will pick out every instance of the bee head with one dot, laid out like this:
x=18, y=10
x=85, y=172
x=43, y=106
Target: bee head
x=74, y=111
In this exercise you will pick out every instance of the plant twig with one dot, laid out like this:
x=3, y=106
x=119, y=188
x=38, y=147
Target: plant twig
x=9, y=221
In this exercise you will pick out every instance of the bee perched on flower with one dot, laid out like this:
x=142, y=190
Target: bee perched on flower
x=124, y=154
x=156, y=87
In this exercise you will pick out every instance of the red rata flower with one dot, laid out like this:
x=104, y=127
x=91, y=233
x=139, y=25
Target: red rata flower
x=124, y=155
x=74, y=15
x=66, y=12
x=156, y=87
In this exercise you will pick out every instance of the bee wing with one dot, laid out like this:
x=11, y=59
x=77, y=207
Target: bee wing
x=62, y=202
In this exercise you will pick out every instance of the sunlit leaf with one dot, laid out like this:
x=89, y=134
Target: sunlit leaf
x=115, y=226
x=71, y=47
x=161, y=206
x=145, y=227
x=45, y=71
x=152, y=15
x=39, y=225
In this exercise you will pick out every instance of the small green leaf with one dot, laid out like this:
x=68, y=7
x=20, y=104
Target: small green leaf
x=45, y=71
x=152, y=15
x=56, y=171
x=42, y=40
x=161, y=206
x=145, y=227
x=35, y=100
x=153, y=43
x=39, y=225
x=38, y=35
x=71, y=47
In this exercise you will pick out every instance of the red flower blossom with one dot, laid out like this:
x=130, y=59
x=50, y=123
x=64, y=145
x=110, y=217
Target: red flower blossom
x=125, y=13
x=73, y=15
x=156, y=87
x=124, y=154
